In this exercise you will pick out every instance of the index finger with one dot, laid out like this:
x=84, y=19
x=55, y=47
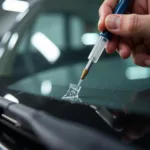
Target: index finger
x=106, y=9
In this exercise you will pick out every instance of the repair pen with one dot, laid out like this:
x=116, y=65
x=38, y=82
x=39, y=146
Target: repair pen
x=102, y=41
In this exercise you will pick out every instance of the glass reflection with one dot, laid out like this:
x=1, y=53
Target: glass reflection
x=15, y=5
x=45, y=46
x=13, y=41
x=46, y=87
x=89, y=38
x=11, y=98
x=136, y=73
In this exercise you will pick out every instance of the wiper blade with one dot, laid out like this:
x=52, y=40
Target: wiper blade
x=57, y=134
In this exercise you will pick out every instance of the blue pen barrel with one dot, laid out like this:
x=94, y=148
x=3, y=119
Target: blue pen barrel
x=120, y=9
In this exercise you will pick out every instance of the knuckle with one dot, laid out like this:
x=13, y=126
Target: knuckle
x=104, y=5
x=133, y=23
x=100, y=10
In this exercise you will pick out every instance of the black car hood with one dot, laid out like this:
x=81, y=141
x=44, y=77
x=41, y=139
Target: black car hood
x=132, y=102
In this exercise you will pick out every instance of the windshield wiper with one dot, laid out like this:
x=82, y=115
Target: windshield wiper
x=57, y=134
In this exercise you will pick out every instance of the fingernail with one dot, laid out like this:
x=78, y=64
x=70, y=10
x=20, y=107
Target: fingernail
x=113, y=22
x=106, y=46
x=121, y=53
x=147, y=62
x=99, y=22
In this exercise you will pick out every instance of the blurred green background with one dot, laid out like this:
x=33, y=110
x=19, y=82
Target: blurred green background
x=46, y=43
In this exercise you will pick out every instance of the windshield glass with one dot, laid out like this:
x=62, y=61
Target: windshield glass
x=53, y=51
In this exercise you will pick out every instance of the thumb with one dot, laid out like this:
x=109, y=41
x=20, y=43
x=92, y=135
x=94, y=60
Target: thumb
x=129, y=25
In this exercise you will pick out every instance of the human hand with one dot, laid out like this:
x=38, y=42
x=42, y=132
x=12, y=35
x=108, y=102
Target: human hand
x=131, y=31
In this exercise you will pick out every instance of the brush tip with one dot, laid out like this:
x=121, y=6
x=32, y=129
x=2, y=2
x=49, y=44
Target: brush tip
x=84, y=73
